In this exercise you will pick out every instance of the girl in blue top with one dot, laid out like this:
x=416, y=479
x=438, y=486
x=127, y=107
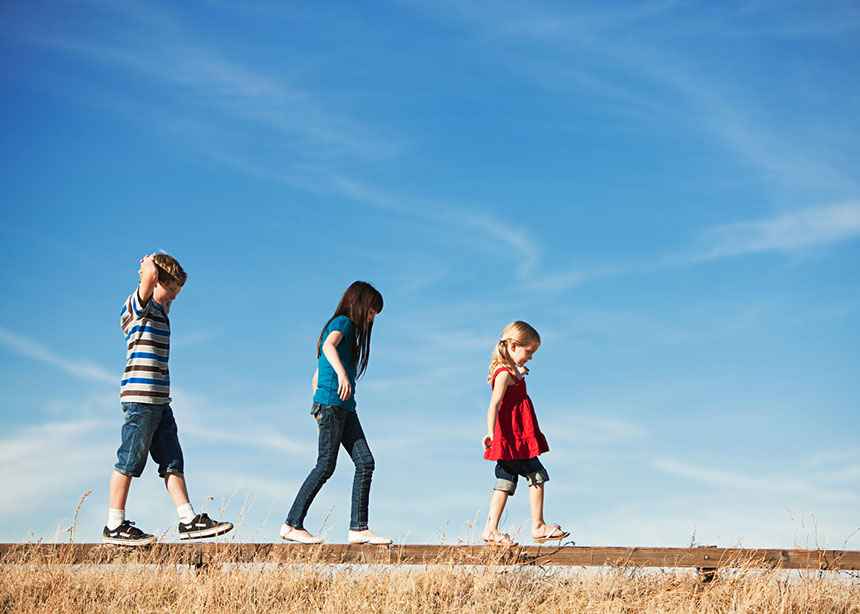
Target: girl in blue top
x=342, y=350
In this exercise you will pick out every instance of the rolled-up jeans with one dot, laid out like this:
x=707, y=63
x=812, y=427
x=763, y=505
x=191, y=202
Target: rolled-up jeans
x=337, y=426
x=148, y=429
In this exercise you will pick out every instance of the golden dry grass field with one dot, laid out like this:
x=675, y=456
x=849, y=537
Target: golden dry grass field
x=54, y=586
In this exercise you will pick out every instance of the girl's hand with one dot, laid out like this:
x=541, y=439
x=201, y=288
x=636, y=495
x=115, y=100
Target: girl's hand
x=344, y=388
x=487, y=441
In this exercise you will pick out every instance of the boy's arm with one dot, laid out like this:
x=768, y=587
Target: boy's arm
x=329, y=349
x=148, y=279
x=503, y=380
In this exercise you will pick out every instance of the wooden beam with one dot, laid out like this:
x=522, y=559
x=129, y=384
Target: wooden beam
x=569, y=556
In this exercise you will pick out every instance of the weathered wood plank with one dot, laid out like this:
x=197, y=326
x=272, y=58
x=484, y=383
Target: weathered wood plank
x=571, y=556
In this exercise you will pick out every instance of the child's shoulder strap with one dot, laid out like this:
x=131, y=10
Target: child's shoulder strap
x=498, y=370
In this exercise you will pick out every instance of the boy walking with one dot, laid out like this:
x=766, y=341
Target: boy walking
x=149, y=427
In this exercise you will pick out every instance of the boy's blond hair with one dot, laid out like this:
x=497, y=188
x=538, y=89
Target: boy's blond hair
x=518, y=332
x=169, y=269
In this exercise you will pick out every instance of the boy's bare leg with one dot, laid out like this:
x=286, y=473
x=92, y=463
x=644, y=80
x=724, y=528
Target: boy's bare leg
x=176, y=488
x=119, y=485
x=497, y=506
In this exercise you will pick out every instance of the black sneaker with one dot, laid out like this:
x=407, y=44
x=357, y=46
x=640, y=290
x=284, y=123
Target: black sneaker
x=202, y=526
x=127, y=535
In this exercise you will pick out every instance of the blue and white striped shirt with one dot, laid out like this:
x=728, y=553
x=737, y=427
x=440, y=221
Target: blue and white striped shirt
x=146, y=378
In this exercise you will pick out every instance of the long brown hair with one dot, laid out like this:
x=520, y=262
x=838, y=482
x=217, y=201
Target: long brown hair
x=355, y=304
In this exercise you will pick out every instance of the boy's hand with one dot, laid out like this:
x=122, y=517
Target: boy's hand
x=487, y=441
x=148, y=278
x=147, y=266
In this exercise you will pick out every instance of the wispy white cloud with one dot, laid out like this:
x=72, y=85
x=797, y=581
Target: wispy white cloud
x=195, y=338
x=190, y=401
x=596, y=53
x=795, y=230
x=154, y=44
x=279, y=103
x=677, y=520
x=591, y=430
x=849, y=474
x=74, y=366
x=565, y=279
x=519, y=246
x=31, y=457
x=593, y=52
x=782, y=485
x=585, y=23
x=525, y=251
x=256, y=438
x=776, y=19
x=272, y=101
x=834, y=457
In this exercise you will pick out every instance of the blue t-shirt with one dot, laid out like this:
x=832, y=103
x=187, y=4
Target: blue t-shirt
x=327, y=378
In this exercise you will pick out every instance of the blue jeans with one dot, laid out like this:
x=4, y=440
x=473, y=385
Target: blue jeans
x=148, y=429
x=336, y=426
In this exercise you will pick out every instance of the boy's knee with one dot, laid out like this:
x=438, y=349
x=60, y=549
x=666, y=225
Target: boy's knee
x=131, y=458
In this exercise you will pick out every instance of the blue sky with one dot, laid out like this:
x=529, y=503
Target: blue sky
x=668, y=191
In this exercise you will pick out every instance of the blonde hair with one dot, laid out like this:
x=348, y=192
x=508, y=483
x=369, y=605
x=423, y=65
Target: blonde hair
x=169, y=269
x=517, y=332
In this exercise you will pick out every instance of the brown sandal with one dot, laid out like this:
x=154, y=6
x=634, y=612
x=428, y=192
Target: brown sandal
x=499, y=539
x=557, y=534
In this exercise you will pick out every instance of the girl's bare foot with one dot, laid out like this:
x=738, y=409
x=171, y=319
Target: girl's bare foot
x=494, y=538
x=547, y=532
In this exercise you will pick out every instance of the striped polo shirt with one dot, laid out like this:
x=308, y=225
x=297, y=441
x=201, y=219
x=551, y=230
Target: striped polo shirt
x=146, y=378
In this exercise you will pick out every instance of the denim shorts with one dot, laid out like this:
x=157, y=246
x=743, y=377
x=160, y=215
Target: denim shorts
x=507, y=472
x=148, y=429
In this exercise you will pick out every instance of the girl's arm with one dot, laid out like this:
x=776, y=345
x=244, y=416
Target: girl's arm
x=329, y=349
x=503, y=380
x=314, y=380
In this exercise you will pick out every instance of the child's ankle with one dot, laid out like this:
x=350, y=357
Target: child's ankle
x=115, y=518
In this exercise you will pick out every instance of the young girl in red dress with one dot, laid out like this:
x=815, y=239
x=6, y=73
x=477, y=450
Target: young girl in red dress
x=513, y=437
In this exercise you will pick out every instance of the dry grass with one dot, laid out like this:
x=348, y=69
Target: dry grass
x=30, y=585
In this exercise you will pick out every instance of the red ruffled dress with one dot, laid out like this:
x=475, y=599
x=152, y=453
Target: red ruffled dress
x=517, y=435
